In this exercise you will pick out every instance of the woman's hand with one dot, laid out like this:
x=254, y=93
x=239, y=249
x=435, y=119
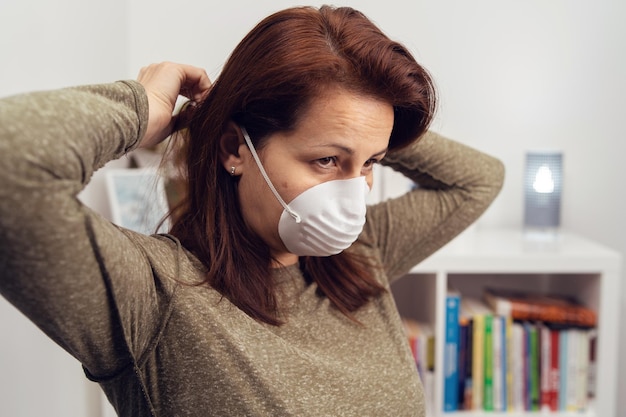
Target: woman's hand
x=163, y=83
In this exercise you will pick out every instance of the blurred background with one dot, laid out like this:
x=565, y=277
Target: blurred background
x=512, y=76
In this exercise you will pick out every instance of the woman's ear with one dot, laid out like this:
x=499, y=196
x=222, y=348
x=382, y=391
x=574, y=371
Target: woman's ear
x=230, y=141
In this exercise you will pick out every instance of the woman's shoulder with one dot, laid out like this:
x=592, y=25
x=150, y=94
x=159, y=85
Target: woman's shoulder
x=170, y=261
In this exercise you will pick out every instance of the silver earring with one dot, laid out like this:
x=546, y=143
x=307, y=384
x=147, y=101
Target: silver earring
x=232, y=170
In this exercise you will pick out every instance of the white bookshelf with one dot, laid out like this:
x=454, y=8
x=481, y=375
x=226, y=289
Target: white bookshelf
x=559, y=263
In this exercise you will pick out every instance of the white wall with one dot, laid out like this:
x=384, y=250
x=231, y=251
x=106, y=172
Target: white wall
x=512, y=76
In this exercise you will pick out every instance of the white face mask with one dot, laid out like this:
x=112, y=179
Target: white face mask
x=323, y=220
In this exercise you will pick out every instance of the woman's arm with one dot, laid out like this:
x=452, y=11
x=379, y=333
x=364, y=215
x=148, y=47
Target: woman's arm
x=79, y=278
x=55, y=254
x=456, y=185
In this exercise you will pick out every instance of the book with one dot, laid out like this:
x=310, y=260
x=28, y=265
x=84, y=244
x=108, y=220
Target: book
x=525, y=381
x=469, y=356
x=430, y=350
x=531, y=374
x=426, y=355
x=563, y=368
x=463, y=358
x=508, y=334
x=477, y=310
x=545, y=348
x=429, y=368
x=534, y=368
x=572, y=358
x=592, y=371
x=488, y=365
x=421, y=339
x=582, y=369
x=412, y=331
x=451, y=349
x=553, y=399
x=497, y=380
x=419, y=335
x=540, y=307
x=518, y=352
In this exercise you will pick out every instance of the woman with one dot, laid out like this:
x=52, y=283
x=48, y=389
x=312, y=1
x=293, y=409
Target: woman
x=270, y=296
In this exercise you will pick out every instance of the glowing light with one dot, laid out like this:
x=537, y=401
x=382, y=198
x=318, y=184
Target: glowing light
x=544, y=182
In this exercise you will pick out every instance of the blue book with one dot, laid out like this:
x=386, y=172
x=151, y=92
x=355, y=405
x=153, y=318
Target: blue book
x=527, y=368
x=505, y=369
x=462, y=362
x=451, y=353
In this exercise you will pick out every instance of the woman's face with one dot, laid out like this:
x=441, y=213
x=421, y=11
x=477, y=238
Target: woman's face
x=340, y=136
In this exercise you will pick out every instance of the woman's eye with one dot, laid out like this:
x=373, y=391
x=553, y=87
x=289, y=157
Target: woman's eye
x=370, y=163
x=327, y=161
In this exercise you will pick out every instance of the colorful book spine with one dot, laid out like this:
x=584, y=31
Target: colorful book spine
x=509, y=362
x=504, y=362
x=554, y=370
x=527, y=367
x=517, y=351
x=469, y=356
x=563, y=345
x=478, y=360
x=545, y=348
x=488, y=364
x=582, y=377
x=422, y=353
x=573, y=346
x=451, y=348
x=497, y=381
x=592, y=371
x=535, y=367
x=462, y=358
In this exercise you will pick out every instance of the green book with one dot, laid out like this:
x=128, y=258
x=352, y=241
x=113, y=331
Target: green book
x=488, y=362
x=534, y=368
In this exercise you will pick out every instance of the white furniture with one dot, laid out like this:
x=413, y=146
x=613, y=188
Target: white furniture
x=560, y=263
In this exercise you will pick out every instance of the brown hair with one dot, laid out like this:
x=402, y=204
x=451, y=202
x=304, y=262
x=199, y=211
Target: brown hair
x=266, y=84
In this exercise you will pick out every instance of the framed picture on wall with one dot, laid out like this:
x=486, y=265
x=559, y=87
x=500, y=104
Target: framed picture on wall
x=137, y=199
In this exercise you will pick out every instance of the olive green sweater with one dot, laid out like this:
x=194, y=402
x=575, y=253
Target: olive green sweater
x=114, y=298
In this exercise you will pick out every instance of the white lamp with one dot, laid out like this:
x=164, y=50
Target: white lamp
x=543, y=185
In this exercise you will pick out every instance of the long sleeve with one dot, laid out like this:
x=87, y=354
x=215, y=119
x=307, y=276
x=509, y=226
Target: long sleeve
x=456, y=184
x=58, y=259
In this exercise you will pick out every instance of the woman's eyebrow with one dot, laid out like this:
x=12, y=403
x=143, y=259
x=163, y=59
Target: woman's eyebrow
x=384, y=151
x=336, y=146
x=345, y=149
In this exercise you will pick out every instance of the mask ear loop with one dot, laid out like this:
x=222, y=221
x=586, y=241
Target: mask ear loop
x=292, y=213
